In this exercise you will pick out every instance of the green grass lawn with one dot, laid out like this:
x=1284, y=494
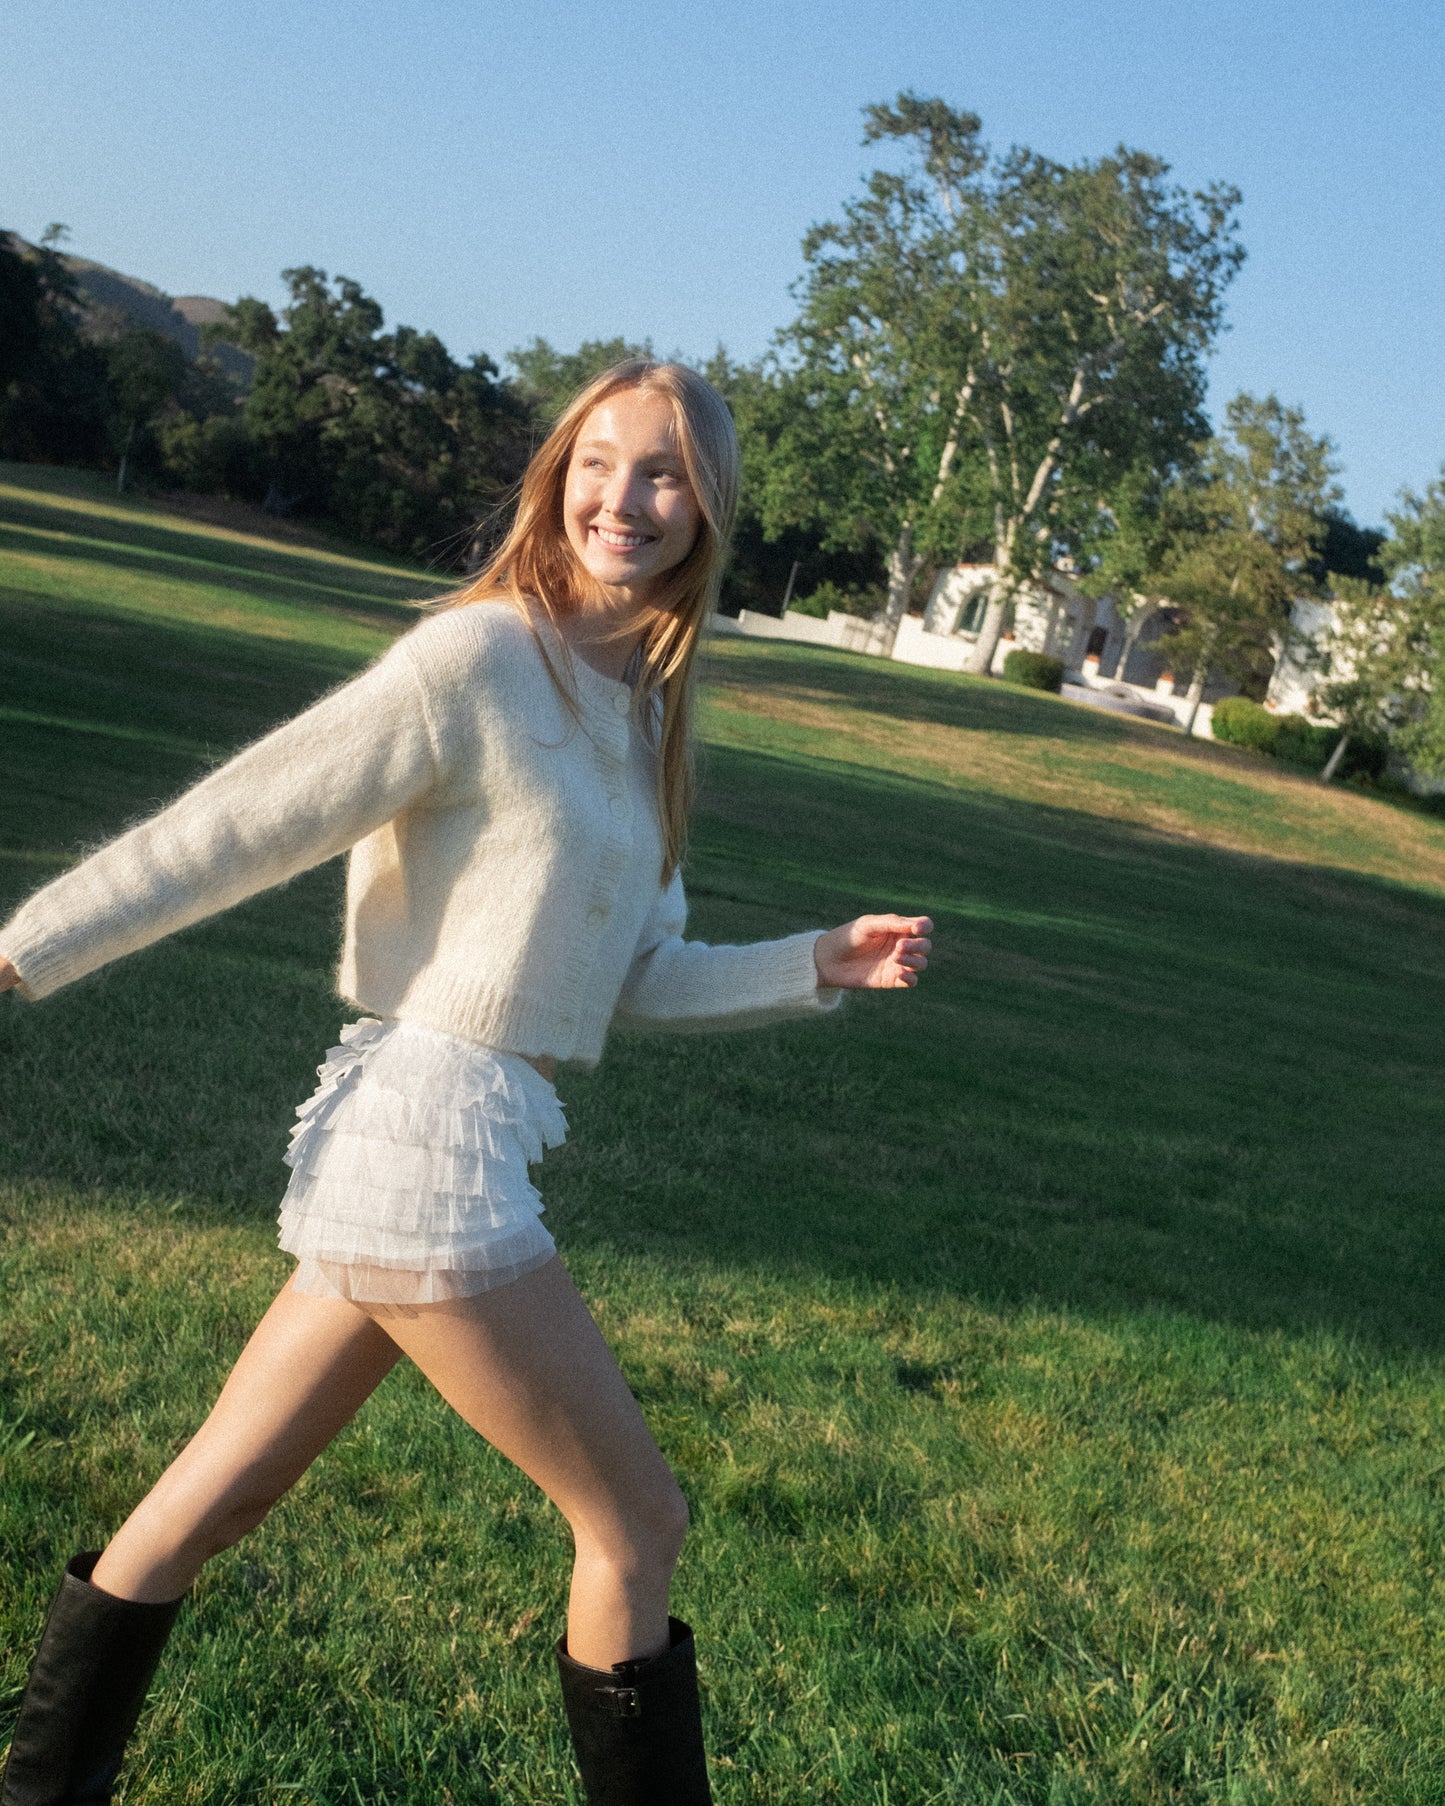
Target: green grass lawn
x=1053, y=1357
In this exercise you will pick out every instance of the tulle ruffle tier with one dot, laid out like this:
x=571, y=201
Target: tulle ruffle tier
x=409, y=1168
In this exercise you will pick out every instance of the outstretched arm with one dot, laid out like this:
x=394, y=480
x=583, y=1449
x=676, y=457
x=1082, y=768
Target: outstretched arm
x=874, y=953
x=309, y=789
x=687, y=985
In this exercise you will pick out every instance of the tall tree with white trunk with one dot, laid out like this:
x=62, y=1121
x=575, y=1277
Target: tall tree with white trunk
x=985, y=346
x=1241, y=539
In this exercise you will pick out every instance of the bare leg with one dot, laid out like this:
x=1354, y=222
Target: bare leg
x=306, y=1371
x=527, y=1367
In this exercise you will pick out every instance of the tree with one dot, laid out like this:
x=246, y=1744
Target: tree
x=310, y=363
x=145, y=370
x=1383, y=652
x=1414, y=558
x=548, y=379
x=22, y=297
x=1347, y=550
x=767, y=562
x=384, y=432
x=1240, y=541
x=1128, y=557
x=53, y=394
x=985, y=347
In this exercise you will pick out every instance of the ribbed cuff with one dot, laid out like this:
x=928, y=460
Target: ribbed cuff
x=799, y=973
x=42, y=969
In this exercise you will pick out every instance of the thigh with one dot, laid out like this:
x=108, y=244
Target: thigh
x=527, y=1368
x=308, y=1367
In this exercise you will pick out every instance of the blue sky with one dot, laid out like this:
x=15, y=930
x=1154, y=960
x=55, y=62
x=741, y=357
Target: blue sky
x=499, y=172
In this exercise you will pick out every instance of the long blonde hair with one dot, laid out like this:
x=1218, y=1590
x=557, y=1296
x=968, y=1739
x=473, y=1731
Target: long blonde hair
x=535, y=566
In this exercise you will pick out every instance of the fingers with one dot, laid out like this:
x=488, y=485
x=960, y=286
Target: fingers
x=914, y=925
x=881, y=951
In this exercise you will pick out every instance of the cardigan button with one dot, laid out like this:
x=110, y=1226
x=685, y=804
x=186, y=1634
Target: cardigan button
x=597, y=915
x=622, y=702
x=619, y=805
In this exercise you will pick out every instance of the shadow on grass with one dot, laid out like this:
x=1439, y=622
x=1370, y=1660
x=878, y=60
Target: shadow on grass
x=150, y=548
x=1139, y=1075
x=205, y=688
x=295, y=590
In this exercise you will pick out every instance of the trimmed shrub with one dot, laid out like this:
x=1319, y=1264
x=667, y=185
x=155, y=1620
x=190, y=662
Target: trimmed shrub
x=1294, y=741
x=1301, y=742
x=1034, y=670
x=1289, y=738
x=1240, y=722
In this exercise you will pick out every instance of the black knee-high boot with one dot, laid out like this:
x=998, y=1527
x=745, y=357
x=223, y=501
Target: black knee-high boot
x=87, y=1686
x=636, y=1726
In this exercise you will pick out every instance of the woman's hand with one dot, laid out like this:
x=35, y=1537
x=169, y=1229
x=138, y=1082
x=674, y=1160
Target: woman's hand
x=9, y=977
x=879, y=953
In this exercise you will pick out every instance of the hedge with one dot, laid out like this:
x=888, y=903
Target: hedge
x=1034, y=670
x=1293, y=740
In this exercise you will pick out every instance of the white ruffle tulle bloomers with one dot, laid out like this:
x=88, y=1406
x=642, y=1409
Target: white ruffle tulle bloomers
x=409, y=1168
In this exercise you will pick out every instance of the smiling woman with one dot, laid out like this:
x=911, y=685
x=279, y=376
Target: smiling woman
x=514, y=809
x=629, y=508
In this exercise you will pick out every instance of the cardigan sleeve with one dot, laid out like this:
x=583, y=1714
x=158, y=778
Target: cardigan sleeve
x=308, y=790
x=689, y=986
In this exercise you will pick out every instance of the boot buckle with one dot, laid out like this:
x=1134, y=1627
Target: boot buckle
x=626, y=1701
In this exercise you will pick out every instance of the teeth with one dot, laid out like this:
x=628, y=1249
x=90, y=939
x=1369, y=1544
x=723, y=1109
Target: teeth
x=625, y=542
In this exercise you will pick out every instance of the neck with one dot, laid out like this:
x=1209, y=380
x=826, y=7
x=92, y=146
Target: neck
x=606, y=634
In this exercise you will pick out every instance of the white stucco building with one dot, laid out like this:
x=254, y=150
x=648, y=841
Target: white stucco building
x=1054, y=617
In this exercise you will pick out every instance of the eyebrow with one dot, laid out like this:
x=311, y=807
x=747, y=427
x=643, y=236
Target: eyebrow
x=610, y=445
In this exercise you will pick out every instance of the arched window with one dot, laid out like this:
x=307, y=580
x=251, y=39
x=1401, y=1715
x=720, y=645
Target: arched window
x=970, y=617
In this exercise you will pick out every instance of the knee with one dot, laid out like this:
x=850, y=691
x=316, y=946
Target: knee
x=669, y=1525
x=646, y=1535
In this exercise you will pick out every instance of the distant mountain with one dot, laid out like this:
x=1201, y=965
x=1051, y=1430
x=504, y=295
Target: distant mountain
x=112, y=303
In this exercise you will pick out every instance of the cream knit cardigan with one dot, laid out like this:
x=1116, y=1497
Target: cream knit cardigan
x=504, y=878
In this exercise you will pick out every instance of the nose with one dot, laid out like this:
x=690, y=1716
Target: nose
x=620, y=496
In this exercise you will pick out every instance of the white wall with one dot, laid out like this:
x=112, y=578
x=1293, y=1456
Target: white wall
x=1294, y=677
x=847, y=632
x=915, y=645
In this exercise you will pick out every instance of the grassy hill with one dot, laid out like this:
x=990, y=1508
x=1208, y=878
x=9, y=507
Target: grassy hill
x=1052, y=1356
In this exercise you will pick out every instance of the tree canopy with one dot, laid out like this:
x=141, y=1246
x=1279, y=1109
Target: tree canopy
x=54, y=399
x=1239, y=540
x=1384, y=651
x=384, y=432
x=986, y=347
x=548, y=379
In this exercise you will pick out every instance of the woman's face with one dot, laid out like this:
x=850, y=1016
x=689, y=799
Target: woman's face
x=628, y=507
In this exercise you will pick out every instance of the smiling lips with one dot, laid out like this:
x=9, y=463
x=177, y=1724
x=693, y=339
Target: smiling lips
x=621, y=542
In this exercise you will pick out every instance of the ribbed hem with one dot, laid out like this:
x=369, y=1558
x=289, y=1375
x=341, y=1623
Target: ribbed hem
x=474, y=1010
